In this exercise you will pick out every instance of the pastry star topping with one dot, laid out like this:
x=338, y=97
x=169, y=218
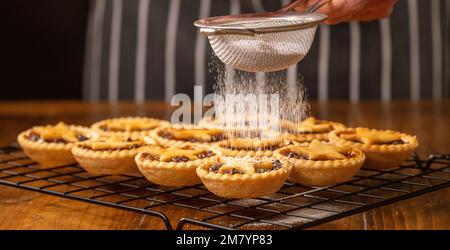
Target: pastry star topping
x=198, y=134
x=246, y=166
x=130, y=125
x=254, y=144
x=59, y=131
x=167, y=154
x=191, y=154
x=312, y=125
x=113, y=142
x=240, y=165
x=368, y=136
x=317, y=150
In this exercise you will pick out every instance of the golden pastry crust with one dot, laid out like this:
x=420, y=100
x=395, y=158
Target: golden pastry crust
x=310, y=129
x=171, y=173
x=296, y=139
x=249, y=147
x=247, y=185
x=234, y=129
x=50, y=154
x=210, y=122
x=128, y=126
x=322, y=172
x=178, y=136
x=221, y=123
x=109, y=161
x=379, y=156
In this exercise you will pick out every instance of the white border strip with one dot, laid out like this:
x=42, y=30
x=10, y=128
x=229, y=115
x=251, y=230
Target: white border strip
x=170, y=50
x=414, y=49
x=436, y=37
x=324, y=61
x=260, y=76
x=355, y=61
x=285, y=2
x=235, y=7
x=114, y=52
x=96, y=52
x=89, y=40
x=141, y=50
x=446, y=82
x=386, y=60
x=292, y=71
x=200, y=46
x=291, y=75
x=258, y=6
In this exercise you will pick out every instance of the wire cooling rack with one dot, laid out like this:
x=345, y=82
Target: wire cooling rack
x=292, y=207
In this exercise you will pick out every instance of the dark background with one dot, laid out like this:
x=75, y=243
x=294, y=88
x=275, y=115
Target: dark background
x=42, y=48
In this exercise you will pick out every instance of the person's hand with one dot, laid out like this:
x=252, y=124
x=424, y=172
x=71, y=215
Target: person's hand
x=353, y=10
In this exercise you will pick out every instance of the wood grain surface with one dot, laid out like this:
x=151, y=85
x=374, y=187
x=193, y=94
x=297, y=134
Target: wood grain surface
x=22, y=209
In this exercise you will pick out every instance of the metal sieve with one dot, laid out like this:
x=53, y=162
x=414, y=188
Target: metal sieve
x=262, y=42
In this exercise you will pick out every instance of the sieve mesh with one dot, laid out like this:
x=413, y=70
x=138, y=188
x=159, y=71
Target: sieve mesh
x=264, y=51
x=259, y=23
x=261, y=42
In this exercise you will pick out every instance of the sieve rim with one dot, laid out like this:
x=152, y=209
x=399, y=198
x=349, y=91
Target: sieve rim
x=234, y=23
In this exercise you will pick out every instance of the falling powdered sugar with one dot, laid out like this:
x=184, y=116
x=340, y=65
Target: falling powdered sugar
x=256, y=105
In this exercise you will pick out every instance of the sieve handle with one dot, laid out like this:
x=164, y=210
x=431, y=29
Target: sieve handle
x=226, y=31
x=317, y=5
x=292, y=6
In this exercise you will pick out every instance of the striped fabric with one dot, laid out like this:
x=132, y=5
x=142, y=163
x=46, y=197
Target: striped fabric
x=149, y=49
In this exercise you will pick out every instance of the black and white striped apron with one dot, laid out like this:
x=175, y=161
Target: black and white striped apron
x=149, y=49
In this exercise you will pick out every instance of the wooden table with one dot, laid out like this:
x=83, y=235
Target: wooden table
x=21, y=209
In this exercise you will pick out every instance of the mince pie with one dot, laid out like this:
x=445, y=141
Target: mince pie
x=184, y=136
x=246, y=177
x=237, y=127
x=242, y=147
x=128, y=126
x=109, y=155
x=309, y=129
x=211, y=122
x=321, y=164
x=174, y=166
x=50, y=145
x=299, y=139
x=383, y=148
